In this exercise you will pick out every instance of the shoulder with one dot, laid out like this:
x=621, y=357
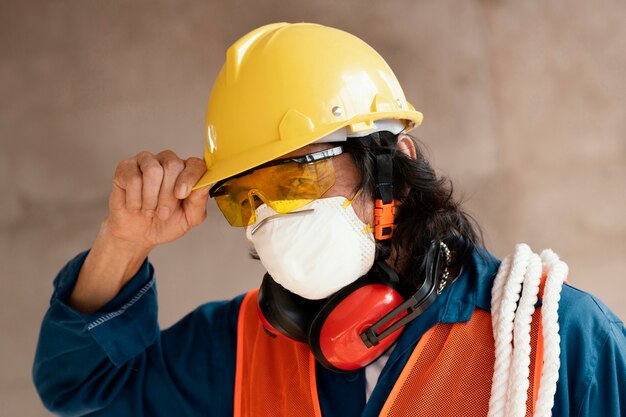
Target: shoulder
x=211, y=321
x=585, y=319
x=219, y=310
x=587, y=326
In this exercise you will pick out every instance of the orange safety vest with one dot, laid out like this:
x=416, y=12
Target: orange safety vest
x=449, y=372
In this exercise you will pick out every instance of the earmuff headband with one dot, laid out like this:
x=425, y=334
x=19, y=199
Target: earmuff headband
x=423, y=298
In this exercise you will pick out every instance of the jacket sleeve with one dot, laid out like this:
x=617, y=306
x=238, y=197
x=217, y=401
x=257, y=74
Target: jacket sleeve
x=592, y=376
x=118, y=362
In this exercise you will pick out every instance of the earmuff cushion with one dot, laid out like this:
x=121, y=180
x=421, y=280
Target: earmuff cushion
x=286, y=312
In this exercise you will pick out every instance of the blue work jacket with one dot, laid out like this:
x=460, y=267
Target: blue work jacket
x=118, y=362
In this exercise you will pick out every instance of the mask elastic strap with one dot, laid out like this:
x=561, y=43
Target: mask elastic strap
x=349, y=201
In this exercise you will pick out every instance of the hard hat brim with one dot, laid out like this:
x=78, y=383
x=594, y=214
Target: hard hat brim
x=255, y=157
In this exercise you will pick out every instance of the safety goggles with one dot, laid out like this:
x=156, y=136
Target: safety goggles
x=284, y=185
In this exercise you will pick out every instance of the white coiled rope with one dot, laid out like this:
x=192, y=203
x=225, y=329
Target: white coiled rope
x=513, y=299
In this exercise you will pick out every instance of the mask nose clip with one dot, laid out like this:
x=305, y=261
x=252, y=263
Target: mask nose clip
x=276, y=216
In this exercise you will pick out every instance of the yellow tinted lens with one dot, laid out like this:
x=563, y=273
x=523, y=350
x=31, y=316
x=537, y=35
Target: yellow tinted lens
x=233, y=212
x=284, y=188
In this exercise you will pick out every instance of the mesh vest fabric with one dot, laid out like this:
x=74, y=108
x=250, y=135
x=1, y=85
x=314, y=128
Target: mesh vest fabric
x=449, y=372
x=274, y=376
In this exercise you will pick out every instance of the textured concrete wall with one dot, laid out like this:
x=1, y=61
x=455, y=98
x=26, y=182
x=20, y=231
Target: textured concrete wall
x=523, y=103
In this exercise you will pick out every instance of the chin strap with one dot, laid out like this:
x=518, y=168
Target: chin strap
x=384, y=210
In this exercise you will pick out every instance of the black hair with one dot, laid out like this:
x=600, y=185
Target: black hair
x=426, y=209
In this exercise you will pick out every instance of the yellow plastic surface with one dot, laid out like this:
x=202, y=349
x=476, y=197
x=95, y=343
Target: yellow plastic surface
x=283, y=86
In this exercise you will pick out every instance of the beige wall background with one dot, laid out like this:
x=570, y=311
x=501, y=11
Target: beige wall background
x=523, y=104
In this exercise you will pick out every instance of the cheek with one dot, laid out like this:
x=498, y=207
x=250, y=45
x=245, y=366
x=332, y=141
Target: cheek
x=364, y=209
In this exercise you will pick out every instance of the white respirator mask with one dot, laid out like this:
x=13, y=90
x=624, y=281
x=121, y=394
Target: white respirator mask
x=314, y=251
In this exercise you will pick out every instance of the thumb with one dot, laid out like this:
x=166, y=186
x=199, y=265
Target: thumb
x=195, y=206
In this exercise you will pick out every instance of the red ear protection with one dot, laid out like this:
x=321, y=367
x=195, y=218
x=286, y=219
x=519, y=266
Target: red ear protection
x=335, y=333
x=355, y=326
x=333, y=326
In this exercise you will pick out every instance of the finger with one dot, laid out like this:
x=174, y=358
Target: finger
x=127, y=180
x=194, y=169
x=152, y=177
x=117, y=199
x=172, y=167
x=195, y=206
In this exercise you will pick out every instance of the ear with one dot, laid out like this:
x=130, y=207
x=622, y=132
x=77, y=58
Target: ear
x=406, y=146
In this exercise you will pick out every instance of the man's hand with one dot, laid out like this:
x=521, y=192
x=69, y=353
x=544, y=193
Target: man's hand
x=151, y=203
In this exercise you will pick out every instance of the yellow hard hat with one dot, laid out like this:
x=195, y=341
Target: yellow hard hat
x=284, y=86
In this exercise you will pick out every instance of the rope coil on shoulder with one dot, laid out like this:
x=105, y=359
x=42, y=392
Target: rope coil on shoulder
x=513, y=298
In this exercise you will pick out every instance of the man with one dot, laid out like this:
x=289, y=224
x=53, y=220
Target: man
x=378, y=300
